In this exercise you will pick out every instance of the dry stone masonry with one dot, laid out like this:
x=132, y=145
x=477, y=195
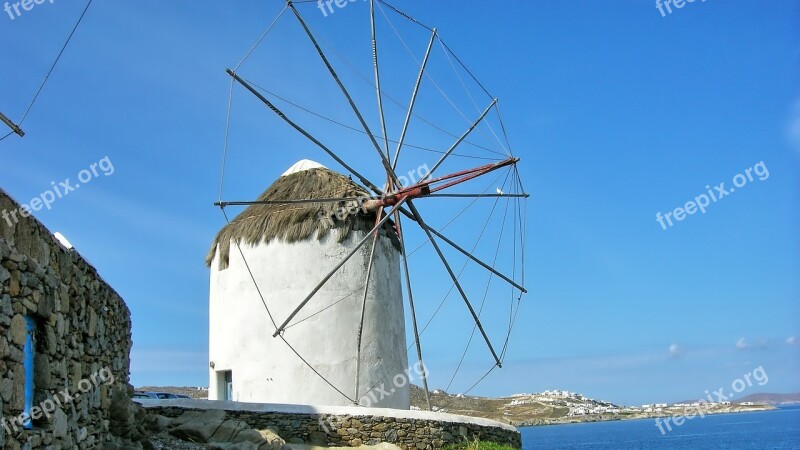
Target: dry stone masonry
x=416, y=431
x=81, y=343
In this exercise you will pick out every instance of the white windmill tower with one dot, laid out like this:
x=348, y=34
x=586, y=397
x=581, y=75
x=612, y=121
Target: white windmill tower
x=284, y=248
x=306, y=288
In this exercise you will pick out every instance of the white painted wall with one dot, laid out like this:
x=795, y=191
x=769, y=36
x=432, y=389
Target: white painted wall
x=264, y=369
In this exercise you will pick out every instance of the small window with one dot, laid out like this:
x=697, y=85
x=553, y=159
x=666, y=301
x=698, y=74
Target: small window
x=27, y=362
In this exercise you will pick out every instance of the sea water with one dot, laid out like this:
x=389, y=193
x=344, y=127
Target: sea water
x=763, y=430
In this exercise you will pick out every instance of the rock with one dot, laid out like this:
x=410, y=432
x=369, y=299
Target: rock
x=41, y=371
x=273, y=441
x=201, y=427
x=159, y=422
x=228, y=430
x=233, y=446
x=18, y=331
x=112, y=446
x=14, y=287
x=45, y=305
x=60, y=424
x=185, y=417
x=249, y=435
x=377, y=446
x=91, y=328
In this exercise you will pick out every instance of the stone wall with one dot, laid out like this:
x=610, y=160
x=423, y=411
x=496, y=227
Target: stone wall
x=82, y=341
x=350, y=426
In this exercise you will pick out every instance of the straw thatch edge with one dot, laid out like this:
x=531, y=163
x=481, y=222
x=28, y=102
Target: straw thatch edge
x=262, y=224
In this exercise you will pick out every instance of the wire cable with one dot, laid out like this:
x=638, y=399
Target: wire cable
x=485, y=292
x=53, y=66
x=398, y=103
x=352, y=128
x=261, y=38
x=471, y=99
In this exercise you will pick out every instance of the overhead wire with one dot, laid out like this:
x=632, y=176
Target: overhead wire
x=55, y=62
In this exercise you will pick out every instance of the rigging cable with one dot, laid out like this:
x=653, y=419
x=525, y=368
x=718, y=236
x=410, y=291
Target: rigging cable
x=398, y=103
x=410, y=346
x=463, y=210
x=53, y=66
x=344, y=125
x=446, y=97
x=450, y=291
x=230, y=99
x=460, y=62
x=485, y=292
x=428, y=75
x=461, y=81
x=264, y=302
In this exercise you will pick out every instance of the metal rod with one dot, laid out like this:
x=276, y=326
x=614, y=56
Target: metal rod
x=289, y=202
x=474, y=174
x=478, y=195
x=424, y=188
x=413, y=315
x=378, y=75
x=304, y=132
x=338, y=266
x=413, y=100
x=14, y=127
x=472, y=257
x=416, y=214
x=492, y=166
x=364, y=306
x=461, y=139
x=384, y=158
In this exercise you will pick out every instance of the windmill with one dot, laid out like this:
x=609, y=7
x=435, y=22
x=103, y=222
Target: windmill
x=353, y=293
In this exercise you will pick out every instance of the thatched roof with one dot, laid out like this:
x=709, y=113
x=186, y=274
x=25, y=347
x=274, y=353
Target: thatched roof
x=297, y=222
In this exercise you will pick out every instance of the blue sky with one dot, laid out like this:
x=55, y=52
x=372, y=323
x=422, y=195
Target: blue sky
x=617, y=113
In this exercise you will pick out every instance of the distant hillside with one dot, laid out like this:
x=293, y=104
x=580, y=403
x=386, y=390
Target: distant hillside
x=772, y=399
x=538, y=409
